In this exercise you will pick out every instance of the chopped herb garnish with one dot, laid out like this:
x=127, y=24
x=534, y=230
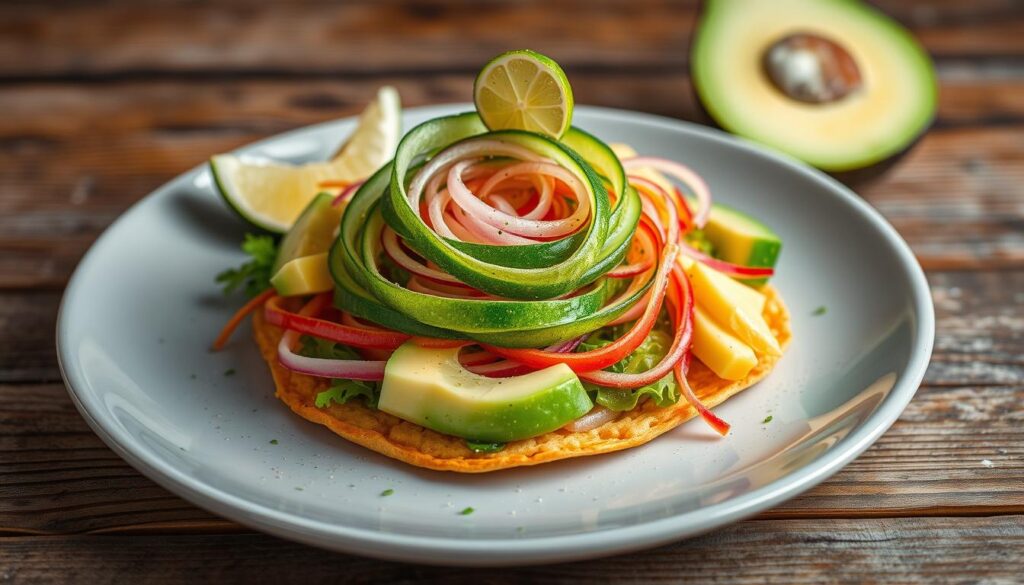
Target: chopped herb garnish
x=820, y=311
x=466, y=511
x=273, y=441
x=229, y=372
x=253, y=276
x=767, y=419
x=387, y=493
x=298, y=489
x=484, y=446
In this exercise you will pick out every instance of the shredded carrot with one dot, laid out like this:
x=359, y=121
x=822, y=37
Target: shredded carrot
x=236, y=319
x=333, y=184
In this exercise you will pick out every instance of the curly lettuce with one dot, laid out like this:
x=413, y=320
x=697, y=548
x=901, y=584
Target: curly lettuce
x=663, y=392
x=340, y=391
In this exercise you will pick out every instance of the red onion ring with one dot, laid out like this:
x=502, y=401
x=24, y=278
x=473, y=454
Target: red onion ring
x=323, y=368
x=727, y=268
x=593, y=419
x=684, y=174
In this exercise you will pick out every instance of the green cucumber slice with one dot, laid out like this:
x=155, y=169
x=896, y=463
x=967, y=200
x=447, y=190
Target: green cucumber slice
x=539, y=283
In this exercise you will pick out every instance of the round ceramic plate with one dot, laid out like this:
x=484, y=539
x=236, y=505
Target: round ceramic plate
x=142, y=308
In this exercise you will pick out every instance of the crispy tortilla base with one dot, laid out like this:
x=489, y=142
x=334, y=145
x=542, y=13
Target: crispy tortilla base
x=423, y=447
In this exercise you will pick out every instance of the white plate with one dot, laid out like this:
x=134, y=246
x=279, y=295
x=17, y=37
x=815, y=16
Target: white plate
x=142, y=308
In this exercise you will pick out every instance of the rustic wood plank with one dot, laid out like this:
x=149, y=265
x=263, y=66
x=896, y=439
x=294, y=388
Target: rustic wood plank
x=72, y=158
x=933, y=551
x=59, y=478
x=316, y=37
x=27, y=324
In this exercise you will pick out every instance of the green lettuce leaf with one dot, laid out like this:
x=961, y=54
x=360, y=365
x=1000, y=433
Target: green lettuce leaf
x=253, y=276
x=663, y=392
x=698, y=240
x=315, y=347
x=340, y=391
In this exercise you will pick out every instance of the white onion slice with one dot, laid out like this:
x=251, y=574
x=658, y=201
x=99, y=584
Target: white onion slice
x=345, y=369
x=593, y=419
x=682, y=173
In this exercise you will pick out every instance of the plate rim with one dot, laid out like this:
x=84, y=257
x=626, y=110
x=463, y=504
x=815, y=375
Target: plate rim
x=547, y=549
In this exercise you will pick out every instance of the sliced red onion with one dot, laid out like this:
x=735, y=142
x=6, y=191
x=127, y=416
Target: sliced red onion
x=727, y=268
x=526, y=226
x=487, y=232
x=634, y=312
x=720, y=426
x=502, y=204
x=344, y=369
x=500, y=369
x=394, y=251
x=593, y=419
x=462, y=150
x=417, y=284
x=684, y=174
x=630, y=270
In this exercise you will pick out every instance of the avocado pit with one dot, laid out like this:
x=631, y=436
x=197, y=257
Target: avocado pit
x=811, y=68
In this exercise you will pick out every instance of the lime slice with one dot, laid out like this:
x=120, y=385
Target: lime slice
x=272, y=195
x=524, y=90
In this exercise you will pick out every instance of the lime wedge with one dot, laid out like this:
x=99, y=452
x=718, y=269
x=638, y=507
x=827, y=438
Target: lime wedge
x=272, y=195
x=524, y=90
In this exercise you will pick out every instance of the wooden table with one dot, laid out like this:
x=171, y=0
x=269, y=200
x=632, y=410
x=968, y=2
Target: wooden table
x=101, y=103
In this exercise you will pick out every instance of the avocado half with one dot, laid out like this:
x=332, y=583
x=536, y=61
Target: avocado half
x=893, y=104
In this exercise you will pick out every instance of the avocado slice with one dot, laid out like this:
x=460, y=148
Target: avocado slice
x=305, y=275
x=313, y=231
x=301, y=264
x=430, y=387
x=835, y=83
x=741, y=239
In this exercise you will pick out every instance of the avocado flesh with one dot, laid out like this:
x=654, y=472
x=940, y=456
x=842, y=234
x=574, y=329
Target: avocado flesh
x=313, y=231
x=896, y=104
x=306, y=275
x=741, y=239
x=430, y=388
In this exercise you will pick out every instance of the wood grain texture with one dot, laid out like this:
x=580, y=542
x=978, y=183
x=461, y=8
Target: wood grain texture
x=101, y=103
x=311, y=37
x=932, y=551
x=72, y=157
x=59, y=478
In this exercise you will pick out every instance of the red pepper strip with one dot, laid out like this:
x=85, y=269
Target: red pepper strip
x=656, y=193
x=601, y=358
x=685, y=215
x=681, y=298
x=364, y=337
x=727, y=267
x=477, y=358
x=236, y=319
x=720, y=426
x=434, y=343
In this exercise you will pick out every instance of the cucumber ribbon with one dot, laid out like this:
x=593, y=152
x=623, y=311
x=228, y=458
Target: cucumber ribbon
x=524, y=296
